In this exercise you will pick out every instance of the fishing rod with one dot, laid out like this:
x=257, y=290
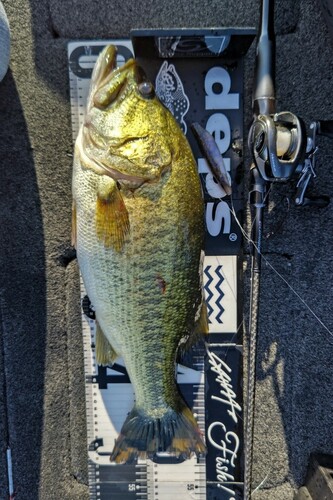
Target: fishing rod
x=281, y=150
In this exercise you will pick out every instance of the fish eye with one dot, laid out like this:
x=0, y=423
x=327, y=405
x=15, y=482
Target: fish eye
x=146, y=89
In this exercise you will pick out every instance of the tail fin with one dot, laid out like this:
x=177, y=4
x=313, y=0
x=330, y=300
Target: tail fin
x=142, y=436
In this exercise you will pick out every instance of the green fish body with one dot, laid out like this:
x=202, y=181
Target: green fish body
x=138, y=227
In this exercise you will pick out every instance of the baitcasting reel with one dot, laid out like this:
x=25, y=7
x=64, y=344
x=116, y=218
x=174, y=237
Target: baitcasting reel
x=282, y=150
x=278, y=144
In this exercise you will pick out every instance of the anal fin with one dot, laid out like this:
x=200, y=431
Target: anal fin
x=199, y=333
x=105, y=354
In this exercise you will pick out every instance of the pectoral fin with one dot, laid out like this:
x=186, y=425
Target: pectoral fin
x=105, y=354
x=112, y=222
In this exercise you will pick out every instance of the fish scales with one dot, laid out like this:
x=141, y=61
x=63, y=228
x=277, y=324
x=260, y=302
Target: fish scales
x=144, y=278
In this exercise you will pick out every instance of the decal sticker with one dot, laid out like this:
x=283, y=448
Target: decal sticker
x=170, y=91
x=220, y=285
x=167, y=46
x=192, y=46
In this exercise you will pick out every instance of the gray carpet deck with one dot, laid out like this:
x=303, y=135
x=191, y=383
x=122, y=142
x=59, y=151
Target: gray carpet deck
x=40, y=318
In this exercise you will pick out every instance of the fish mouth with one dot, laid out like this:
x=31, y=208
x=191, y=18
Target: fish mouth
x=106, y=67
x=110, y=80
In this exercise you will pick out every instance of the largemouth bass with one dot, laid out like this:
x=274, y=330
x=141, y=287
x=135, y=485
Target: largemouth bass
x=138, y=228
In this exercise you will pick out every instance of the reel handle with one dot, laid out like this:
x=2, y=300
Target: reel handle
x=316, y=201
x=325, y=127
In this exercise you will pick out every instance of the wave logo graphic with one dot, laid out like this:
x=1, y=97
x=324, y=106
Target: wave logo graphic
x=170, y=91
x=213, y=280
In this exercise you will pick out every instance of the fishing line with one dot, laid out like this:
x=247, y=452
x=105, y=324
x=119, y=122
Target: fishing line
x=277, y=228
x=249, y=240
x=262, y=482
